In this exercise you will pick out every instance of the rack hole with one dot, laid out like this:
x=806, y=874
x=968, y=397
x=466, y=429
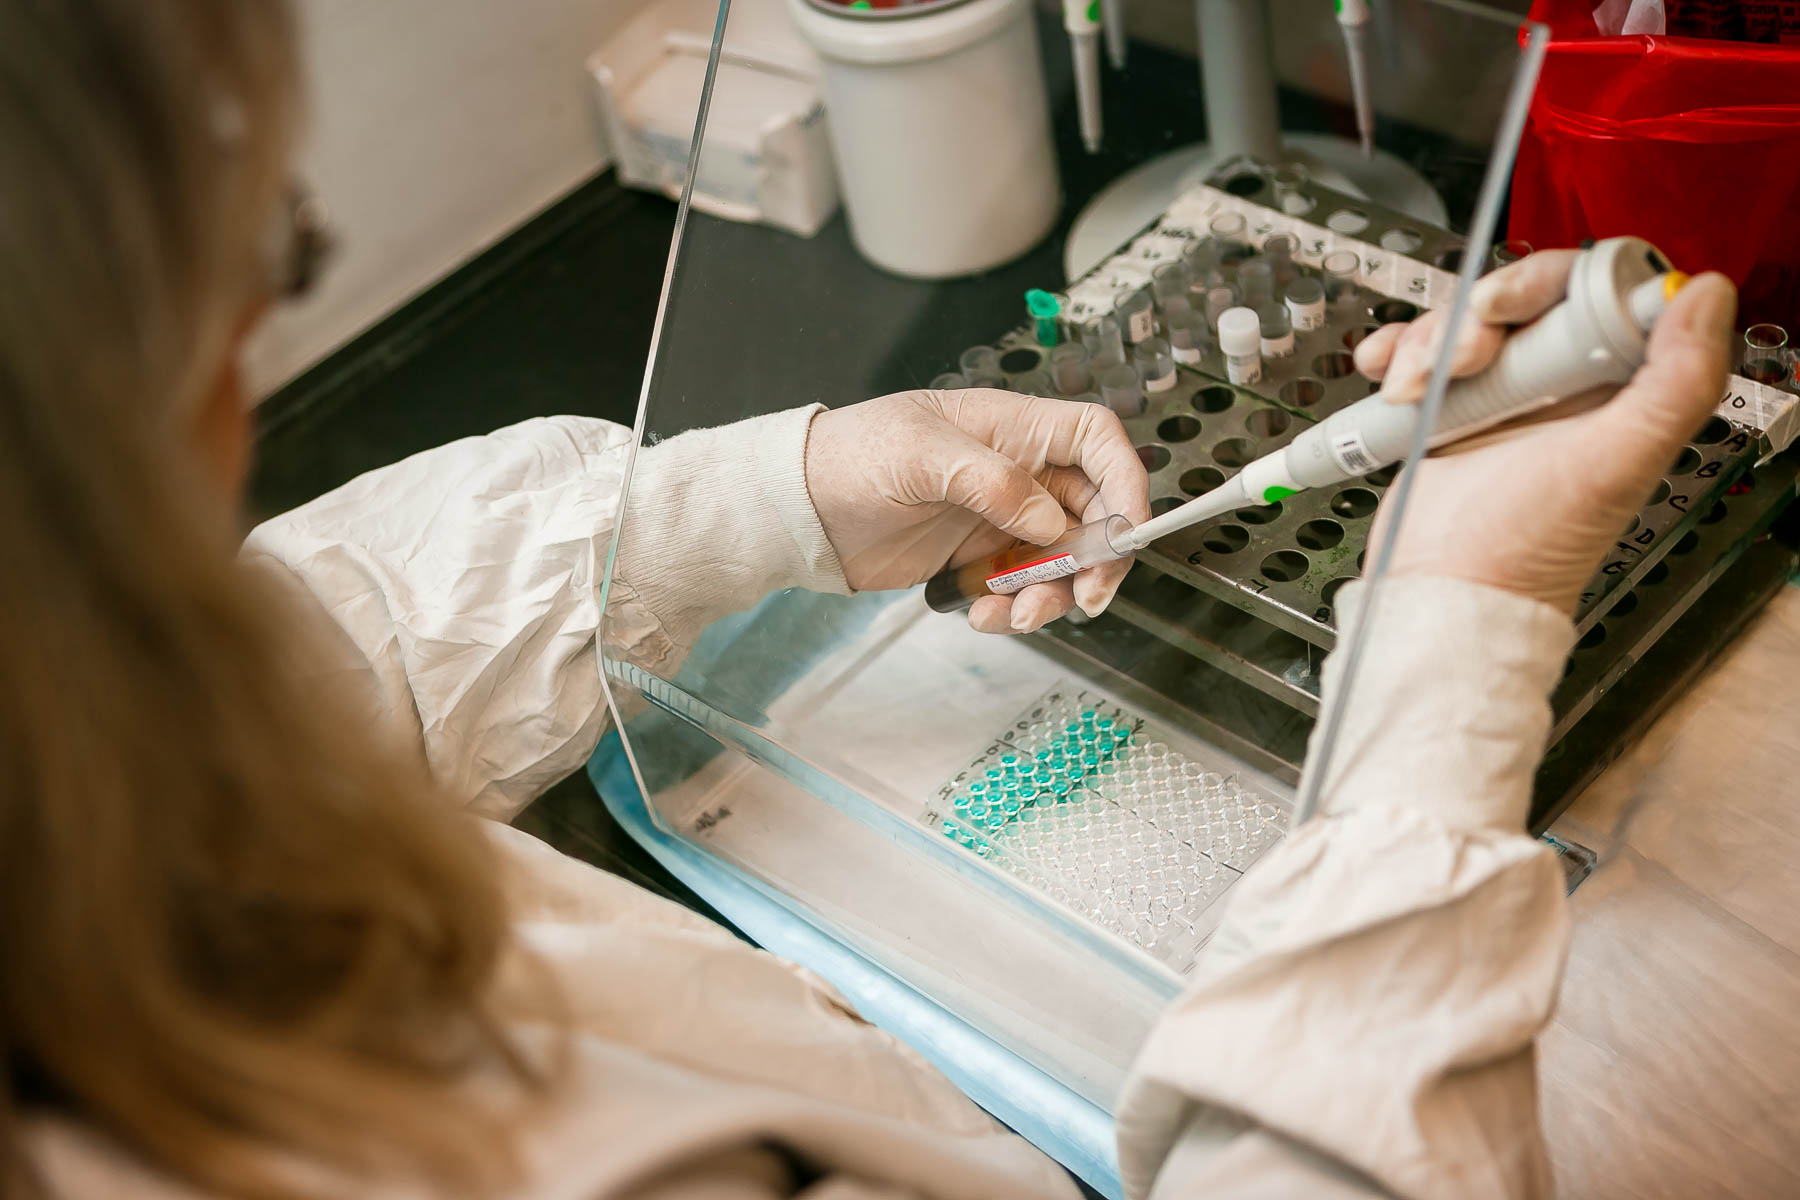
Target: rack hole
x=1225, y=539
x=1348, y=220
x=1592, y=638
x=1329, y=592
x=1233, y=452
x=1200, y=480
x=1268, y=422
x=1355, y=503
x=1154, y=457
x=1019, y=360
x=1402, y=240
x=1262, y=514
x=1394, y=312
x=1165, y=504
x=1384, y=476
x=1244, y=183
x=1322, y=534
x=1356, y=337
x=1626, y=603
x=1715, y=514
x=1285, y=566
x=1181, y=428
x=1686, y=463
x=1631, y=528
x=1717, y=430
x=1686, y=545
x=1302, y=393
x=1655, y=575
x=1335, y=365
x=1450, y=258
x=1661, y=494
x=1214, y=399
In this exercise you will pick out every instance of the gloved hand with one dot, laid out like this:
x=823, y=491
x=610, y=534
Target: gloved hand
x=908, y=483
x=1533, y=507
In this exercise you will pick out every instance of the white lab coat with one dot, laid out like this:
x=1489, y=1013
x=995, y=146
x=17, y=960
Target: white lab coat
x=1363, y=1023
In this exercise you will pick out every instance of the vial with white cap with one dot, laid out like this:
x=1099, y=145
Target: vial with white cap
x=1305, y=300
x=1277, y=331
x=1155, y=365
x=1240, y=341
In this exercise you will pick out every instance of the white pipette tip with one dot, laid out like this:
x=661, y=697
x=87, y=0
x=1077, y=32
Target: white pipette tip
x=1216, y=503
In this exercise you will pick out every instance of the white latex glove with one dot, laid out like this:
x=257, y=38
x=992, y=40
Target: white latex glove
x=909, y=483
x=1532, y=508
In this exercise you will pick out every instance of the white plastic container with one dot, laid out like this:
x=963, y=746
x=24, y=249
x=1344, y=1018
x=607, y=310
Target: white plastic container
x=940, y=128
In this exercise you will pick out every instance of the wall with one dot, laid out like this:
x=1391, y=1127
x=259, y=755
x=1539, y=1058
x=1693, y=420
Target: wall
x=437, y=126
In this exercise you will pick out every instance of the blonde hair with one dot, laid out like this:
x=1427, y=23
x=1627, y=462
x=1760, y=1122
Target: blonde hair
x=233, y=930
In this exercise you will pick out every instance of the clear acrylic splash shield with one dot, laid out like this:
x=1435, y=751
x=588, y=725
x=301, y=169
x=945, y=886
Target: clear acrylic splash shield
x=1039, y=834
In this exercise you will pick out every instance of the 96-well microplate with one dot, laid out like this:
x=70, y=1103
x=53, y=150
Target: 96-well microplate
x=1092, y=805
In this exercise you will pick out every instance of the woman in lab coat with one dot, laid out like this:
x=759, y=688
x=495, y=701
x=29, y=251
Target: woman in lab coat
x=250, y=946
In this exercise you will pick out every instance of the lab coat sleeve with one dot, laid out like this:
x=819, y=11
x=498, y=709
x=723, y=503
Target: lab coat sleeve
x=465, y=581
x=1363, y=1021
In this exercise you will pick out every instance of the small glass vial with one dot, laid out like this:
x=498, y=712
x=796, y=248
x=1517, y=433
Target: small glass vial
x=1105, y=345
x=1170, y=281
x=1202, y=259
x=1766, y=356
x=950, y=381
x=1034, y=383
x=1305, y=300
x=1340, y=271
x=1229, y=231
x=980, y=362
x=1122, y=391
x=1240, y=340
x=1010, y=570
x=1155, y=365
x=1276, y=331
x=1289, y=182
x=1278, y=250
x=1069, y=369
x=1218, y=300
x=1088, y=398
x=1507, y=252
x=1137, y=316
x=1256, y=281
x=1188, y=338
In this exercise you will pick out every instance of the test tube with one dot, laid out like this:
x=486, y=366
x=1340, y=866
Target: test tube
x=1188, y=337
x=1276, y=330
x=1229, y=233
x=1104, y=343
x=1069, y=369
x=1155, y=365
x=1043, y=307
x=950, y=381
x=1170, y=281
x=1218, y=300
x=1507, y=252
x=1034, y=383
x=1278, y=249
x=1256, y=280
x=1202, y=259
x=1137, y=316
x=1289, y=182
x=1305, y=300
x=1767, y=358
x=1340, y=270
x=1240, y=340
x=1122, y=391
x=1023, y=565
x=981, y=367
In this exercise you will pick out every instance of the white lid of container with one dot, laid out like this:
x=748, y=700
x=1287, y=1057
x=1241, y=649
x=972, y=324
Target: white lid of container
x=1240, y=331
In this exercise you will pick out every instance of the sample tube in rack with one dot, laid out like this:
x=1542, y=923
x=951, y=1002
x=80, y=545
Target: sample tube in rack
x=1240, y=341
x=1202, y=259
x=1289, y=182
x=1169, y=281
x=1021, y=566
x=1137, y=316
x=1069, y=369
x=1339, y=271
x=1766, y=356
x=1088, y=398
x=1105, y=345
x=950, y=381
x=1256, y=281
x=1275, y=330
x=1155, y=365
x=1305, y=300
x=1505, y=253
x=1230, y=236
x=1122, y=391
x=1278, y=249
x=1034, y=383
x=981, y=367
x=1188, y=337
x=1218, y=301
x=1043, y=307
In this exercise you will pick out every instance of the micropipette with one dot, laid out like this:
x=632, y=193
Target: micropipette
x=1353, y=18
x=1081, y=18
x=1594, y=338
